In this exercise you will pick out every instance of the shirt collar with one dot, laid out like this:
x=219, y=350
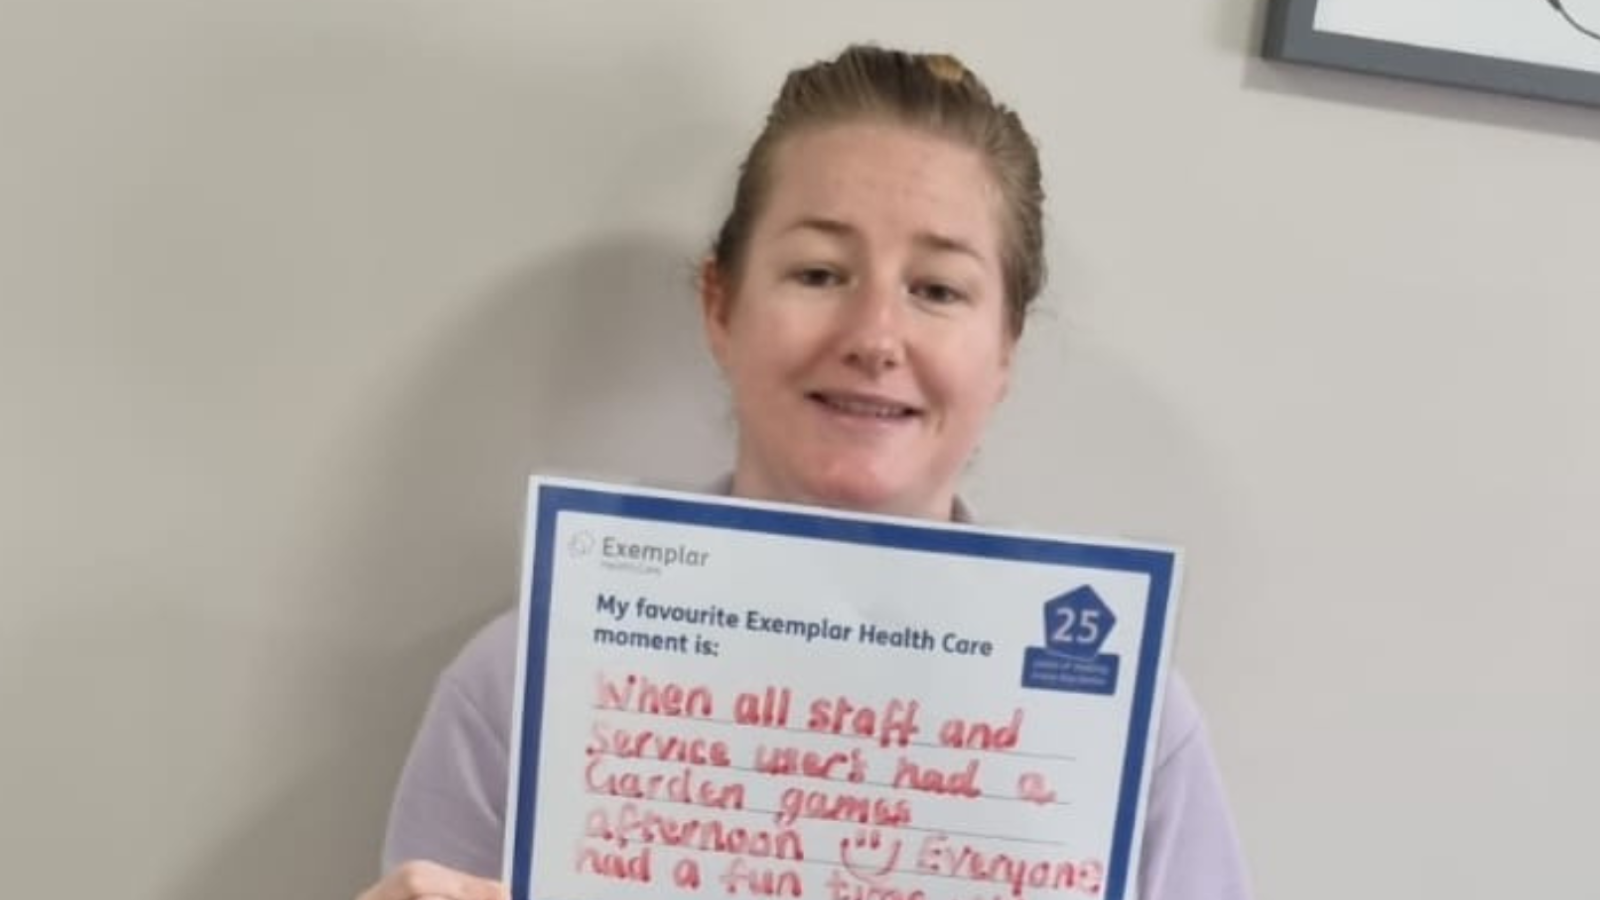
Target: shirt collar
x=960, y=512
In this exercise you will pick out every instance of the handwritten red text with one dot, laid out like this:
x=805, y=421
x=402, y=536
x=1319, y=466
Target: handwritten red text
x=630, y=823
x=798, y=803
x=895, y=724
x=981, y=735
x=851, y=766
x=683, y=785
x=939, y=856
x=603, y=739
x=961, y=782
x=636, y=693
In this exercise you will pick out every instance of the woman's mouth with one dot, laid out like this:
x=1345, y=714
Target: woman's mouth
x=863, y=405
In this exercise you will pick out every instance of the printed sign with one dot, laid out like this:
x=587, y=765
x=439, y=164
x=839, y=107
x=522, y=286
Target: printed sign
x=728, y=699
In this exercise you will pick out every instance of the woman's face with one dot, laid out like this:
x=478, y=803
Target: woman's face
x=865, y=336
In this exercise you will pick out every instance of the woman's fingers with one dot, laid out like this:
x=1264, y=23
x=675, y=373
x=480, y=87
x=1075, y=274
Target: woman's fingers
x=422, y=880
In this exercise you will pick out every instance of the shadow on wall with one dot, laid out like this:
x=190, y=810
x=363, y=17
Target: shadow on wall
x=586, y=361
x=1127, y=460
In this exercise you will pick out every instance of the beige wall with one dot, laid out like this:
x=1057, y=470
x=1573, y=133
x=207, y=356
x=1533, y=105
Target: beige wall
x=293, y=294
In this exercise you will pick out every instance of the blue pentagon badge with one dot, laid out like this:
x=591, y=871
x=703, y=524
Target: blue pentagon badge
x=1076, y=625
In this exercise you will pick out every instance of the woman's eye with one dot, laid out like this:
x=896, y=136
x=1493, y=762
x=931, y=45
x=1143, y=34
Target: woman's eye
x=817, y=276
x=935, y=292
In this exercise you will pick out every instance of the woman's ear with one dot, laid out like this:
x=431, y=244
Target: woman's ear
x=715, y=309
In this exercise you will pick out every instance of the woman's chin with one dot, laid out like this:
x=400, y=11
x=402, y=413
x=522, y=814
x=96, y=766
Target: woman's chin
x=839, y=485
x=856, y=493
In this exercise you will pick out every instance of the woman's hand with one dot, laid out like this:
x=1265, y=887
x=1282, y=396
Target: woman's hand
x=421, y=880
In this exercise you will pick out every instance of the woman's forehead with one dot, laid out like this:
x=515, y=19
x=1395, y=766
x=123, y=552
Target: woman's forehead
x=878, y=176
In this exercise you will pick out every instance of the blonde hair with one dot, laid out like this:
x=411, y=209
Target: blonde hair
x=930, y=92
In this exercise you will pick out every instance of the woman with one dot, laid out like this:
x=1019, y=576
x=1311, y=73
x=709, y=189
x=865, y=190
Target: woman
x=863, y=300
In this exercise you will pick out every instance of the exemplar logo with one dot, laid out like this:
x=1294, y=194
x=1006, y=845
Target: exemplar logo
x=638, y=557
x=666, y=557
x=1076, y=625
x=582, y=544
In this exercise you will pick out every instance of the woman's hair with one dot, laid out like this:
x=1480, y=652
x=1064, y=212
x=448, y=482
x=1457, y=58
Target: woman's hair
x=930, y=92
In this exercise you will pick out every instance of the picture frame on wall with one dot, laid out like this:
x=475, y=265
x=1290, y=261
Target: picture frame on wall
x=1548, y=49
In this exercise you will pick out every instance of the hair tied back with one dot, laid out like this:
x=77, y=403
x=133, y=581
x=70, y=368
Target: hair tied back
x=945, y=67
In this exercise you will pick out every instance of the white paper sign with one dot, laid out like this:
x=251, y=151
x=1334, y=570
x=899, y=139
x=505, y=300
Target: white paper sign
x=726, y=699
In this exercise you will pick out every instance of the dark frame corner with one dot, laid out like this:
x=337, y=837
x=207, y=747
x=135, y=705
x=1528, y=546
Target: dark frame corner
x=1291, y=36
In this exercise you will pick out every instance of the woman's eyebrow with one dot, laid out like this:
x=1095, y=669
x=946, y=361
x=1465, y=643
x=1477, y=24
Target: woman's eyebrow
x=944, y=243
x=931, y=240
x=825, y=225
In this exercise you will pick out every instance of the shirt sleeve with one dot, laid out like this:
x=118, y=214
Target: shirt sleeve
x=449, y=807
x=1191, y=851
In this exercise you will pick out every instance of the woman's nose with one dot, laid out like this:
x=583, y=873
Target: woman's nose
x=874, y=339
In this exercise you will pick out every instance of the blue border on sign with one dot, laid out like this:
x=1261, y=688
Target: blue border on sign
x=552, y=500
